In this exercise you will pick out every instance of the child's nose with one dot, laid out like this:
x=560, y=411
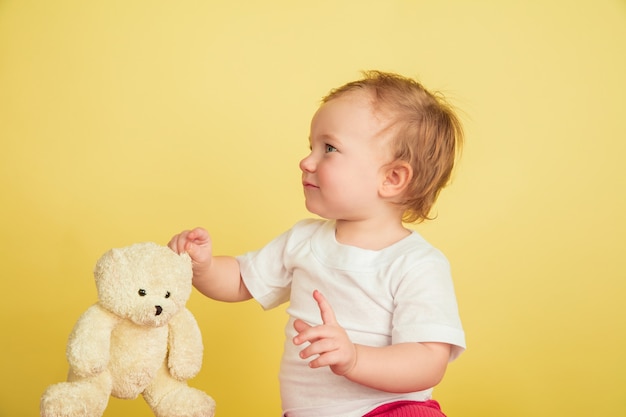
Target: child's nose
x=307, y=164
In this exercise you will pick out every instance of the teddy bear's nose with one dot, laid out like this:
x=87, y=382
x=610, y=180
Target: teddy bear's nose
x=159, y=310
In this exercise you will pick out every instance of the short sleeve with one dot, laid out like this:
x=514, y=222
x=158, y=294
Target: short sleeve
x=265, y=275
x=268, y=272
x=425, y=306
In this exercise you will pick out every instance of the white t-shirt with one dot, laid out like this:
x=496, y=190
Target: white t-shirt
x=402, y=293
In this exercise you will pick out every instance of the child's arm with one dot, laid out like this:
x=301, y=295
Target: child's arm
x=403, y=367
x=217, y=277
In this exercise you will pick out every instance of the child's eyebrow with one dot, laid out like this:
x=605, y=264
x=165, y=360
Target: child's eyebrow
x=326, y=138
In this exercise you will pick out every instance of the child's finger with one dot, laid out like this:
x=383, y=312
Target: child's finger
x=306, y=332
x=198, y=235
x=178, y=242
x=301, y=325
x=326, y=311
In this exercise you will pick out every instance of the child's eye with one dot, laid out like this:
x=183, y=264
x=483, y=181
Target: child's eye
x=330, y=148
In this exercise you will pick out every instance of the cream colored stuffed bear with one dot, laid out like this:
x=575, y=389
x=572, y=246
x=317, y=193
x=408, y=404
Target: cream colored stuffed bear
x=137, y=339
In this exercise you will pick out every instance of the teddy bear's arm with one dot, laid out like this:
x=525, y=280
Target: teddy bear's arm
x=90, y=340
x=185, y=346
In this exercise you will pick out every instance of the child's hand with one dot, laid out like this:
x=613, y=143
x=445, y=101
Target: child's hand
x=196, y=242
x=329, y=340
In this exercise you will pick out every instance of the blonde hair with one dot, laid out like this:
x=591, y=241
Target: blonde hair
x=427, y=135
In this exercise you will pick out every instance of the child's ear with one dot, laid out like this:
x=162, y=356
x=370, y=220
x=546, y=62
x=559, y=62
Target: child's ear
x=396, y=178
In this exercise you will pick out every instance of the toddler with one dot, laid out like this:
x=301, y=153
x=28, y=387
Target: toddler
x=373, y=319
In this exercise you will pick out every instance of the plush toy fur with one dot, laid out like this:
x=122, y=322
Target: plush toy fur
x=137, y=339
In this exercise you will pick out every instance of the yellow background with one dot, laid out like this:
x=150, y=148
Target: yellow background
x=125, y=121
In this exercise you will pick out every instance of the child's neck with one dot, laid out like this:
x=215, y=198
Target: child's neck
x=369, y=234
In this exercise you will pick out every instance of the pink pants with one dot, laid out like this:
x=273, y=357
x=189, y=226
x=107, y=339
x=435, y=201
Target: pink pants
x=428, y=408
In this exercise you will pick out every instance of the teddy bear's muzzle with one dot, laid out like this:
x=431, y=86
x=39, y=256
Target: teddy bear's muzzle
x=159, y=310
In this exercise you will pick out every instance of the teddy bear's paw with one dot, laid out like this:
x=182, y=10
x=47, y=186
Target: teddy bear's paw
x=88, y=367
x=73, y=399
x=185, y=370
x=185, y=402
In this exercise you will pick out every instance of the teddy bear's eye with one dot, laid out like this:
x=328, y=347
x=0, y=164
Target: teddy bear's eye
x=142, y=292
x=167, y=294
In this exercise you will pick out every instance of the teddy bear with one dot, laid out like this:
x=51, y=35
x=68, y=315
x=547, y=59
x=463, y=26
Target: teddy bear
x=138, y=338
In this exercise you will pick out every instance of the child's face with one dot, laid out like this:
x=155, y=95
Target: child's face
x=342, y=174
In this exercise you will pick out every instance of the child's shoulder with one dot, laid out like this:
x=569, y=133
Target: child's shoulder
x=416, y=249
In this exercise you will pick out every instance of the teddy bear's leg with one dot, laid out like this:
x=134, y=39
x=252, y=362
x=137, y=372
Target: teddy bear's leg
x=87, y=397
x=169, y=397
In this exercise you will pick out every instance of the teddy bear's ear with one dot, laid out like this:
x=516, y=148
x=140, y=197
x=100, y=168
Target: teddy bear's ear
x=101, y=264
x=107, y=261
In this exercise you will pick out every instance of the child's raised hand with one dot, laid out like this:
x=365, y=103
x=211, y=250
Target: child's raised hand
x=329, y=340
x=196, y=242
